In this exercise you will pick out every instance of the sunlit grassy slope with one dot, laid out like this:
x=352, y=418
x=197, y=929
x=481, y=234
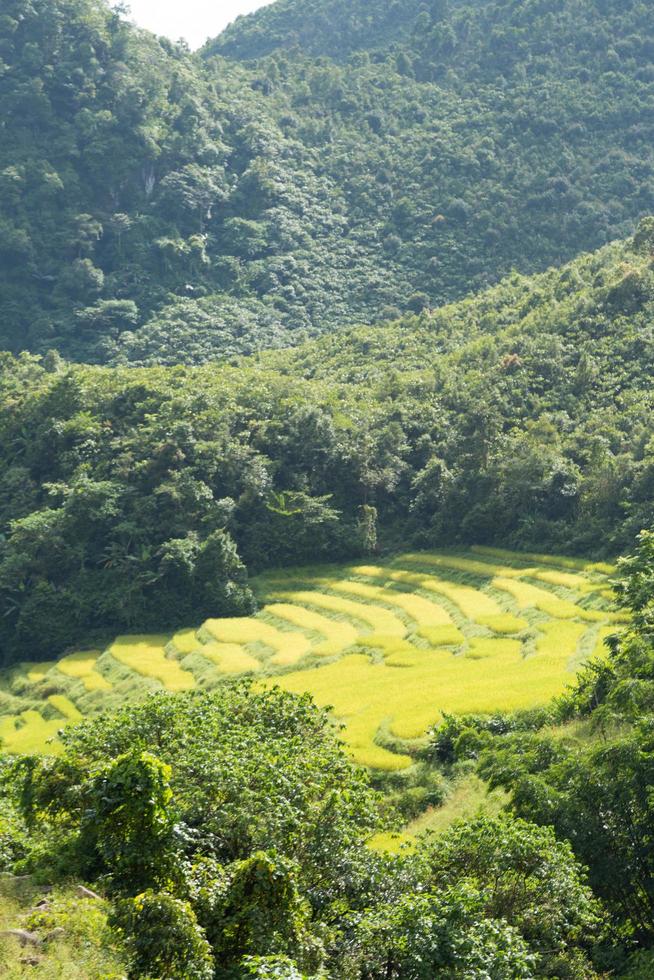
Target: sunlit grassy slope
x=469, y=797
x=388, y=645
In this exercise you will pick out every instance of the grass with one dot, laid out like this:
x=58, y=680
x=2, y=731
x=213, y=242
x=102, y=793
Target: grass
x=145, y=655
x=85, y=949
x=82, y=666
x=470, y=797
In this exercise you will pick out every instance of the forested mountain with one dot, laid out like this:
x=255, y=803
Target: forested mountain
x=320, y=164
x=521, y=416
x=334, y=28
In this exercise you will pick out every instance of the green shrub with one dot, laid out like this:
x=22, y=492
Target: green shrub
x=528, y=878
x=163, y=938
x=126, y=824
x=640, y=966
x=262, y=913
x=271, y=968
x=437, y=935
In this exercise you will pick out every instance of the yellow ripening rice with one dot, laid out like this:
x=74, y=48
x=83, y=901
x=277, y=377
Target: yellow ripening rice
x=82, y=666
x=620, y=616
x=442, y=636
x=230, y=658
x=559, y=641
x=578, y=564
x=369, y=571
x=410, y=688
x=505, y=623
x=360, y=735
x=391, y=646
x=186, y=642
x=568, y=580
x=406, y=656
x=377, y=619
x=336, y=635
x=244, y=629
x=343, y=683
x=531, y=597
x=29, y=733
x=146, y=655
x=484, y=647
x=470, y=566
x=66, y=707
x=38, y=672
x=421, y=610
x=473, y=603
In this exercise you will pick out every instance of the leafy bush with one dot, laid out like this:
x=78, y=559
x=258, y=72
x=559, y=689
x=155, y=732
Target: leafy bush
x=163, y=938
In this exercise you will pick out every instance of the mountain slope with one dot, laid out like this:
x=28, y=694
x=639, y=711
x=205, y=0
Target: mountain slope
x=171, y=207
x=335, y=28
x=520, y=417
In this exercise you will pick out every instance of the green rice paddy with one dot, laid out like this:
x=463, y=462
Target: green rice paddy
x=389, y=646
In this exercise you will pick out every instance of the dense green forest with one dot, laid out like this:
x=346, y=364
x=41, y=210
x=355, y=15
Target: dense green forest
x=135, y=499
x=318, y=165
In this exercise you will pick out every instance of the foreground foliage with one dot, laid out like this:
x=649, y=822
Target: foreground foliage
x=239, y=850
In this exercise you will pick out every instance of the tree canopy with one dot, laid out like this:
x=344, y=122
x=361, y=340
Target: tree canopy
x=319, y=164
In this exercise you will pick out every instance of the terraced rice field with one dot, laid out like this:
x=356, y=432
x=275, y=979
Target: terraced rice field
x=389, y=646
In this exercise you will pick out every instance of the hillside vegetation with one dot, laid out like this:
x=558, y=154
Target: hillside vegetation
x=135, y=500
x=159, y=206
x=326, y=409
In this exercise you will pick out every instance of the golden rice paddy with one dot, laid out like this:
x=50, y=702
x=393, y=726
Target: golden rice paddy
x=389, y=646
x=230, y=658
x=82, y=666
x=146, y=656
